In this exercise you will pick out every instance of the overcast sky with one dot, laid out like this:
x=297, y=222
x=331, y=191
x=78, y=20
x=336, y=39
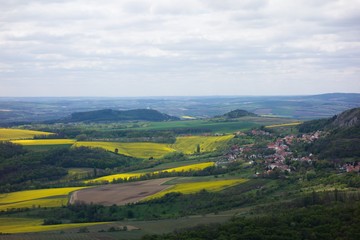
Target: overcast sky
x=182, y=48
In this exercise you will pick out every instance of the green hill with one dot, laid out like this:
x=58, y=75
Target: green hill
x=238, y=113
x=115, y=115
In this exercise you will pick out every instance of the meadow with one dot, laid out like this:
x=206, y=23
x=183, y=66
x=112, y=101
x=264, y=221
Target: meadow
x=284, y=125
x=9, y=134
x=186, y=168
x=244, y=123
x=53, y=197
x=193, y=187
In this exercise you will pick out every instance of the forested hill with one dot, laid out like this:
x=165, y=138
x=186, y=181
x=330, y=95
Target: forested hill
x=115, y=115
x=347, y=119
x=237, y=114
x=342, y=139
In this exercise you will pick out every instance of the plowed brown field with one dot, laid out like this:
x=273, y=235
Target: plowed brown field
x=119, y=194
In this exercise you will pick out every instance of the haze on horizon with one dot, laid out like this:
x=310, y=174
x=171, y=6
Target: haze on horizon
x=179, y=48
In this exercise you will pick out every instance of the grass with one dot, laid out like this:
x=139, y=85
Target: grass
x=69, y=232
x=53, y=197
x=284, y=125
x=189, y=144
x=78, y=173
x=138, y=149
x=240, y=124
x=24, y=225
x=226, y=127
x=192, y=167
x=193, y=187
x=9, y=134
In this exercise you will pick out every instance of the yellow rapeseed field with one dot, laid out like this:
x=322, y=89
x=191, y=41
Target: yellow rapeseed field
x=284, y=125
x=192, y=167
x=45, y=202
x=38, y=142
x=189, y=144
x=187, y=168
x=24, y=225
x=30, y=198
x=193, y=187
x=112, y=177
x=9, y=134
x=134, y=149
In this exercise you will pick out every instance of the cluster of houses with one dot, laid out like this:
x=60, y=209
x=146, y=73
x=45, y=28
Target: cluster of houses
x=351, y=167
x=276, y=160
x=311, y=137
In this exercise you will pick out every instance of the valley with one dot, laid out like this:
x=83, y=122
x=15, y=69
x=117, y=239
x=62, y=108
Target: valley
x=122, y=179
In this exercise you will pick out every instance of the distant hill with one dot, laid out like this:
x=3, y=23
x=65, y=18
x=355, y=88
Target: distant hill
x=347, y=119
x=238, y=113
x=115, y=115
x=342, y=140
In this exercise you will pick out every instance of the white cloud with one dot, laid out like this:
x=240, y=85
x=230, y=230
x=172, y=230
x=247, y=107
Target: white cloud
x=221, y=47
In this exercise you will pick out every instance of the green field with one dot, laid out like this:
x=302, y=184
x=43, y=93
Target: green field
x=69, y=231
x=283, y=125
x=9, y=134
x=242, y=124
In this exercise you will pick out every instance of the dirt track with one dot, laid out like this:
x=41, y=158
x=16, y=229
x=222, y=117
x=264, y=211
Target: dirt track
x=119, y=194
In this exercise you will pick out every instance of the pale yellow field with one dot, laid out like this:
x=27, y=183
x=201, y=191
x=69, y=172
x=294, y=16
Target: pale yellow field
x=45, y=197
x=192, y=167
x=9, y=134
x=23, y=225
x=44, y=142
x=187, y=188
x=138, y=149
x=188, y=144
x=284, y=125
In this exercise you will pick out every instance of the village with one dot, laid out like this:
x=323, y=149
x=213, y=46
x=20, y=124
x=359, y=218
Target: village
x=276, y=155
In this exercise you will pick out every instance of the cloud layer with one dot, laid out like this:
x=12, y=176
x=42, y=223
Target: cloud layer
x=187, y=47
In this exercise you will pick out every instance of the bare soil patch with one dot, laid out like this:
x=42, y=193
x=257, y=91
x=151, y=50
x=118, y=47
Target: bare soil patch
x=119, y=194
